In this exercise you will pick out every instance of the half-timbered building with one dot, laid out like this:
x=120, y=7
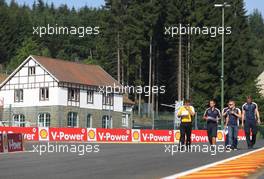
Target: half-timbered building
x=50, y=92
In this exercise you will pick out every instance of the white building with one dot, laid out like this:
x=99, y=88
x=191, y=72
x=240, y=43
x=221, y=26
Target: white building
x=49, y=92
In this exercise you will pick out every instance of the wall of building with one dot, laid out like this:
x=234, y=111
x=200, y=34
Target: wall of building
x=59, y=115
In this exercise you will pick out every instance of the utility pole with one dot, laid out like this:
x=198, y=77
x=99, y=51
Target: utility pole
x=150, y=72
x=139, y=97
x=188, y=69
x=223, y=55
x=179, y=71
x=153, y=97
x=122, y=68
x=118, y=58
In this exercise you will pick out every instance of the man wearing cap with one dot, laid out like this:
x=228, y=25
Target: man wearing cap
x=186, y=112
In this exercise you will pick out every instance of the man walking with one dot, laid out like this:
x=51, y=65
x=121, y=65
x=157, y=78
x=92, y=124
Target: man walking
x=232, y=120
x=224, y=114
x=250, y=117
x=186, y=112
x=212, y=115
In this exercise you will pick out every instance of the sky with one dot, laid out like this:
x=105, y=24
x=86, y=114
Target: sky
x=250, y=4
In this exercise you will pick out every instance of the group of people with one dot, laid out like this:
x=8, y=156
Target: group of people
x=231, y=114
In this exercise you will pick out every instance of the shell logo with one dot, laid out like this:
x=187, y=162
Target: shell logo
x=91, y=134
x=43, y=133
x=219, y=135
x=177, y=135
x=135, y=135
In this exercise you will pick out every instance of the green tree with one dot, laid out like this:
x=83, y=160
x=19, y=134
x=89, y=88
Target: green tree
x=29, y=47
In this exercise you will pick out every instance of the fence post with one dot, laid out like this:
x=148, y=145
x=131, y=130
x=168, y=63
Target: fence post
x=195, y=120
x=10, y=122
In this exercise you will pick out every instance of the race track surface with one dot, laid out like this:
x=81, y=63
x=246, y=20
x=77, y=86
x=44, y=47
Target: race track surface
x=113, y=161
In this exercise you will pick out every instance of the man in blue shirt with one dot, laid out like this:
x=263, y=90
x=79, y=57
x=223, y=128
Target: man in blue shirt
x=212, y=115
x=232, y=120
x=250, y=117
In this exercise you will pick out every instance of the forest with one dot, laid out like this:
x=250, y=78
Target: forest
x=132, y=45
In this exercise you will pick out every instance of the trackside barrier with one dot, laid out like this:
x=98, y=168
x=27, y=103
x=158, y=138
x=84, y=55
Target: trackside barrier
x=14, y=142
x=109, y=135
x=29, y=133
x=113, y=135
x=157, y=136
x=1, y=143
x=11, y=142
x=135, y=135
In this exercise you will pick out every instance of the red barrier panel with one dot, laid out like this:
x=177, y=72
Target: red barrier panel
x=1, y=143
x=157, y=136
x=29, y=133
x=241, y=135
x=67, y=134
x=199, y=136
x=113, y=135
x=14, y=142
x=109, y=135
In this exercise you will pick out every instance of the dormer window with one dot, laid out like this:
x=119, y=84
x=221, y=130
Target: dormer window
x=31, y=71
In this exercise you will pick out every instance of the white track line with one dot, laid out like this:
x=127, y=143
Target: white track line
x=18, y=152
x=175, y=176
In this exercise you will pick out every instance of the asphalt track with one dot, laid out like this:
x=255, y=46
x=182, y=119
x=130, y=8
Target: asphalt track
x=113, y=161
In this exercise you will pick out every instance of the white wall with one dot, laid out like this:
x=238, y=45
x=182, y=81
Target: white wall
x=30, y=98
x=118, y=102
x=21, y=80
x=57, y=96
x=97, y=103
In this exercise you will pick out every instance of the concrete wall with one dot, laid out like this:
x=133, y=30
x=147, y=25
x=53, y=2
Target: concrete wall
x=59, y=115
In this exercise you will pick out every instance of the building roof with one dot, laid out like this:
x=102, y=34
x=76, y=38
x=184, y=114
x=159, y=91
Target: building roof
x=127, y=101
x=74, y=72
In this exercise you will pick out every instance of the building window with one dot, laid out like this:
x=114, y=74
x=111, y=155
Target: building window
x=44, y=120
x=107, y=122
x=108, y=99
x=72, y=119
x=73, y=94
x=18, y=95
x=44, y=94
x=90, y=96
x=89, y=121
x=19, y=120
x=31, y=71
x=125, y=120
